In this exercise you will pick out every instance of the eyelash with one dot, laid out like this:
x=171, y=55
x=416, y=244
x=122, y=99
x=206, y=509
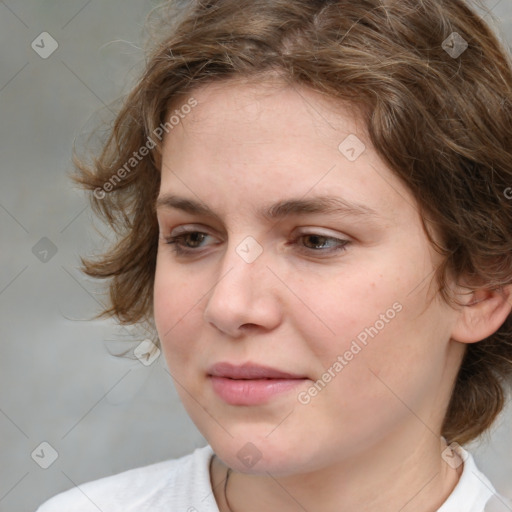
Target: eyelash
x=178, y=250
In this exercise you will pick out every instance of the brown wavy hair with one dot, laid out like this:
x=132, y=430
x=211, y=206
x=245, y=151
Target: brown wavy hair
x=441, y=121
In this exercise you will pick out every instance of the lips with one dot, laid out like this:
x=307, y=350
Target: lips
x=251, y=384
x=249, y=371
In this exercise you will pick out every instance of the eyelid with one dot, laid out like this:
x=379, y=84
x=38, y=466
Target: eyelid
x=315, y=230
x=188, y=228
x=302, y=230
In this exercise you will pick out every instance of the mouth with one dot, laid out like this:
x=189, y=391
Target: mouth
x=250, y=371
x=250, y=384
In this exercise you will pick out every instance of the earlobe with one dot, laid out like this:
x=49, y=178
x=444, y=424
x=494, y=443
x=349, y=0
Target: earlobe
x=483, y=314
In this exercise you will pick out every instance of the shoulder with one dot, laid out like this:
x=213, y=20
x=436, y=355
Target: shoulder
x=474, y=492
x=182, y=482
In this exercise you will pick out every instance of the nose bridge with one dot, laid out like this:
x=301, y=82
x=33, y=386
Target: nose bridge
x=242, y=263
x=242, y=293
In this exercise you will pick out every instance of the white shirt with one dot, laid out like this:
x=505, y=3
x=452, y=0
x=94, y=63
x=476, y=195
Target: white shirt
x=183, y=485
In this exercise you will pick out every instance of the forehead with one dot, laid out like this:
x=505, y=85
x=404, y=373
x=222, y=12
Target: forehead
x=268, y=104
x=247, y=128
x=265, y=142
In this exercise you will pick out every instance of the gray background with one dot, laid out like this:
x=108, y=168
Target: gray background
x=58, y=382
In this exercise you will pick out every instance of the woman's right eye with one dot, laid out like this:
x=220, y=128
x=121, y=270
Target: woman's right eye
x=177, y=242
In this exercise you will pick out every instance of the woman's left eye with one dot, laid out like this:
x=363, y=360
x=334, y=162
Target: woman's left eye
x=182, y=248
x=339, y=244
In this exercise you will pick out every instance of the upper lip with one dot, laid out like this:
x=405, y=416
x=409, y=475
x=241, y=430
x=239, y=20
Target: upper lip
x=249, y=371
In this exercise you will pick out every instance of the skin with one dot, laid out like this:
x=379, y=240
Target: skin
x=370, y=439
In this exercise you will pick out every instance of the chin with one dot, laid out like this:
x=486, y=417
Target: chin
x=263, y=455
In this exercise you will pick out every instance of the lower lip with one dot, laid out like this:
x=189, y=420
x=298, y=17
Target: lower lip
x=251, y=392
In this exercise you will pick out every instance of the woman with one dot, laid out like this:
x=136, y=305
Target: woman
x=310, y=199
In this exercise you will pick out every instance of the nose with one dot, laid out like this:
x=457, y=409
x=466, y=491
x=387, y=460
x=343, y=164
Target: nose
x=245, y=295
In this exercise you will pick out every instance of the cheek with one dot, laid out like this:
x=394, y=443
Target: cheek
x=353, y=306
x=372, y=320
x=176, y=312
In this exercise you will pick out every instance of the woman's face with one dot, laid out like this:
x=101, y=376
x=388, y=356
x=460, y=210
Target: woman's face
x=335, y=292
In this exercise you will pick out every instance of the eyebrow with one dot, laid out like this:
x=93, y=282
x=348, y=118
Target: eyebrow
x=294, y=206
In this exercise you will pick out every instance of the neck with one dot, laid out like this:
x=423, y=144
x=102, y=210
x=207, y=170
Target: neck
x=388, y=478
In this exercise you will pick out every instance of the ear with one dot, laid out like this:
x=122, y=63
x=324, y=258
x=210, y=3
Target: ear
x=484, y=312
